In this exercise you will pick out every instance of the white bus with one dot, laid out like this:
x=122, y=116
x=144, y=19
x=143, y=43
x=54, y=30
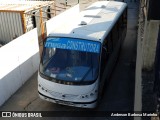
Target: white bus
x=79, y=55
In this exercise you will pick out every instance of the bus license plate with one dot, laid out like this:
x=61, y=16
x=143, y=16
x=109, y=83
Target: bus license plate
x=65, y=102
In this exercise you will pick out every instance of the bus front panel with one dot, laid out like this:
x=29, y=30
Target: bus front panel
x=69, y=67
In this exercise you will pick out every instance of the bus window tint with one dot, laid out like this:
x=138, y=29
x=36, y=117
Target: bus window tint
x=70, y=65
x=120, y=26
x=115, y=35
x=109, y=45
x=48, y=53
x=125, y=18
x=103, y=59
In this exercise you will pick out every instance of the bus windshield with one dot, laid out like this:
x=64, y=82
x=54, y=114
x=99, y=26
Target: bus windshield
x=70, y=60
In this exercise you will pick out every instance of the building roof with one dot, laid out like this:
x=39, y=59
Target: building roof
x=18, y=6
x=99, y=19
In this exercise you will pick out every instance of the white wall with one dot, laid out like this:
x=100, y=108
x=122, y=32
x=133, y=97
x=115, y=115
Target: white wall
x=19, y=60
x=65, y=16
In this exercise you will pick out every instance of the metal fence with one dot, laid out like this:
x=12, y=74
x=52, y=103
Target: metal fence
x=21, y=17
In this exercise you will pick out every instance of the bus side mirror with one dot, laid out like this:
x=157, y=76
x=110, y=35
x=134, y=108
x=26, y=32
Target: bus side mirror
x=105, y=49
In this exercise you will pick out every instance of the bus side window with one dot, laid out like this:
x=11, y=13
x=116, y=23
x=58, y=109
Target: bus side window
x=125, y=18
x=115, y=35
x=109, y=44
x=103, y=59
x=120, y=26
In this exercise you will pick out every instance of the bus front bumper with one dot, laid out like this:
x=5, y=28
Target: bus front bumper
x=91, y=104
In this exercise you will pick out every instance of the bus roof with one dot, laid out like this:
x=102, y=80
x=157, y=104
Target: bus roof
x=94, y=23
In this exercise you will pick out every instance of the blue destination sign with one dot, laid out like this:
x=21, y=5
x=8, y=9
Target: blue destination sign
x=73, y=44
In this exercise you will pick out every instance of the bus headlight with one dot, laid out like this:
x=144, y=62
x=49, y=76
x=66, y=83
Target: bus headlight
x=42, y=88
x=92, y=94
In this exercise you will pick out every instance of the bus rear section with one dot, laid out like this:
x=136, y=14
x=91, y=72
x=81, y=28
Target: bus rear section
x=69, y=72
